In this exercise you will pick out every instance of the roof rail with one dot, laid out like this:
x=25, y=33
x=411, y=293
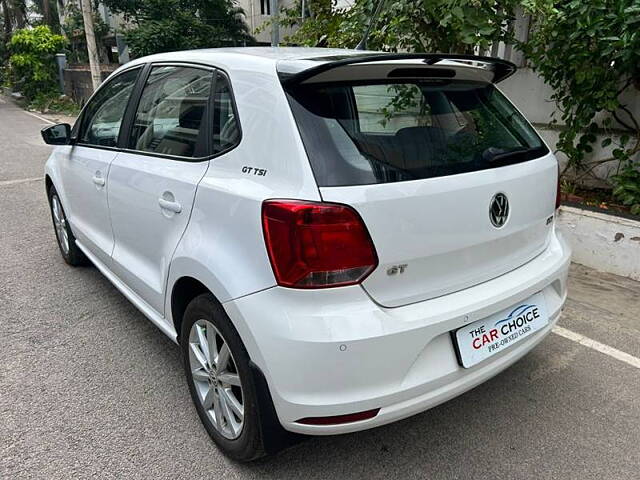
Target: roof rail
x=501, y=68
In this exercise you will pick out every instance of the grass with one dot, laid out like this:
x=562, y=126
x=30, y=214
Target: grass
x=54, y=104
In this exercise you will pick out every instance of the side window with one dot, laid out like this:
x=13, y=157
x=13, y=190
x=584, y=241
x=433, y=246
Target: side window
x=226, y=131
x=171, y=112
x=102, y=118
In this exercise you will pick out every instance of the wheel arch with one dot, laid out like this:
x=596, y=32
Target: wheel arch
x=184, y=290
x=48, y=183
x=274, y=437
x=188, y=278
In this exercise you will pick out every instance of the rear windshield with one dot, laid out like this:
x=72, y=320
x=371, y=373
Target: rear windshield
x=379, y=132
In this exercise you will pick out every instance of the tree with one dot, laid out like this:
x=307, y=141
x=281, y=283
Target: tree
x=166, y=25
x=19, y=13
x=32, y=67
x=589, y=53
x=6, y=21
x=49, y=11
x=92, y=48
x=14, y=15
x=73, y=28
x=452, y=26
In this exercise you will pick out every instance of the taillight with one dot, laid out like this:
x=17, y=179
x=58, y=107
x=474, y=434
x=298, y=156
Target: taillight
x=558, y=192
x=316, y=245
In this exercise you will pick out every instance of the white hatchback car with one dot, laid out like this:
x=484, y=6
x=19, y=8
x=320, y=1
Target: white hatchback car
x=337, y=239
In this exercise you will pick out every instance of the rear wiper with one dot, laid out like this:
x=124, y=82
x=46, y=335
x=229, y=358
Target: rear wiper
x=493, y=154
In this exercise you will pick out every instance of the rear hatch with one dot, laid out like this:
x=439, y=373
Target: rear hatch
x=453, y=184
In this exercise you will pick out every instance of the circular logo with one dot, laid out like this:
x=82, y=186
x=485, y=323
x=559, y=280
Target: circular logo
x=499, y=210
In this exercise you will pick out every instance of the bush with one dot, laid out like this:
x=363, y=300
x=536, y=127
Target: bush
x=168, y=25
x=589, y=53
x=453, y=26
x=32, y=66
x=627, y=188
x=54, y=103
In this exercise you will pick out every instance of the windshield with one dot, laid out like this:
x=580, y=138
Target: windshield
x=382, y=131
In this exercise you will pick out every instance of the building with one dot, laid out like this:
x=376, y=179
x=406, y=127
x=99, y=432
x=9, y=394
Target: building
x=257, y=15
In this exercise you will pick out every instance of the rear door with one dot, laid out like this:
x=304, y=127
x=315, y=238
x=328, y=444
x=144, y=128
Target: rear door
x=152, y=184
x=453, y=184
x=86, y=168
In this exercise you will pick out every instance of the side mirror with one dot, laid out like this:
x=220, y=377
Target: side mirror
x=59, y=134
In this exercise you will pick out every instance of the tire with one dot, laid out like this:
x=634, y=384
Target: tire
x=204, y=318
x=64, y=236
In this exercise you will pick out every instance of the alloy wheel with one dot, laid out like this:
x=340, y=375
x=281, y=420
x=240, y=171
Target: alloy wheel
x=60, y=224
x=216, y=379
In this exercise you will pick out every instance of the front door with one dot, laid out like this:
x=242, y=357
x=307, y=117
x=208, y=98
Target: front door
x=85, y=170
x=152, y=185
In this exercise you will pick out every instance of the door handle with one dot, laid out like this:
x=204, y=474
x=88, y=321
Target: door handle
x=174, y=207
x=98, y=179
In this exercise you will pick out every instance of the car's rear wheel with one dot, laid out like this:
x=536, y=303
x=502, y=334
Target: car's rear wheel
x=66, y=240
x=220, y=380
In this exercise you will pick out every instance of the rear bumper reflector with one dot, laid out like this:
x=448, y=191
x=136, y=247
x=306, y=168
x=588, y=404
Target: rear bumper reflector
x=339, y=419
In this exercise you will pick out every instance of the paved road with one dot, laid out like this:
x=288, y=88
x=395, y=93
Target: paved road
x=88, y=387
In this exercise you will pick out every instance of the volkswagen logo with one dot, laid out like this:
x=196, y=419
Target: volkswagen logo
x=499, y=210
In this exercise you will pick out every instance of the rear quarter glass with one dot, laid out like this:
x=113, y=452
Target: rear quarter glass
x=372, y=132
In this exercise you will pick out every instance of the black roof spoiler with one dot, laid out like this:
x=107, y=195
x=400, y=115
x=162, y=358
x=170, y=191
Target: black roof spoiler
x=501, y=68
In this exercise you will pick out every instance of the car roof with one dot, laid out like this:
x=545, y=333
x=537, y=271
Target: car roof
x=247, y=55
x=290, y=61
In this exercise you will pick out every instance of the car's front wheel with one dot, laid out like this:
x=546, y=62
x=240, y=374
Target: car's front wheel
x=220, y=380
x=66, y=240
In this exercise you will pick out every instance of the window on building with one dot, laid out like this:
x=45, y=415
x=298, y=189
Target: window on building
x=265, y=7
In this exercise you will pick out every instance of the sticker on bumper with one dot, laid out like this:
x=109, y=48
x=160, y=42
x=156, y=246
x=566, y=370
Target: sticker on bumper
x=484, y=338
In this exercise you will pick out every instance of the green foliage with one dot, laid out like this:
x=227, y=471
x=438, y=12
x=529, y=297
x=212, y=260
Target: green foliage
x=32, y=68
x=627, y=188
x=589, y=53
x=54, y=102
x=168, y=25
x=406, y=97
x=454, y=26
x=73, y=29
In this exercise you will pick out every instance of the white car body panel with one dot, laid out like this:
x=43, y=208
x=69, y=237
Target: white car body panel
x=439, y=227
x=81, y=170
x=323, y=352
x=326, y=352
x=223, y=242
x=146, y=234
x=157, y=319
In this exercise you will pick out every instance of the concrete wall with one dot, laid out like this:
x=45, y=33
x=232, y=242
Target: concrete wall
x=77, y=81
x=605, y=242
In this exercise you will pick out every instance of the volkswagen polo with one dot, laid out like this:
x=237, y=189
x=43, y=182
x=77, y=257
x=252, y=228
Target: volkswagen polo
x=336, y=239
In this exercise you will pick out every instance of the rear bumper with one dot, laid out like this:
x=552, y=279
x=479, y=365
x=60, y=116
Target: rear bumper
x=335, y=351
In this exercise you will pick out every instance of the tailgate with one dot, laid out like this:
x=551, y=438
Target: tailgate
x=435, y=236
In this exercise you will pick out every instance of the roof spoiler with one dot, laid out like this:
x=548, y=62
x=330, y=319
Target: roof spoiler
x=501, y=68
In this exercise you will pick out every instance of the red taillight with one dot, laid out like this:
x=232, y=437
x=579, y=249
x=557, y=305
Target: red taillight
x=339, y=419
x=558, y=192
x=316, y=245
